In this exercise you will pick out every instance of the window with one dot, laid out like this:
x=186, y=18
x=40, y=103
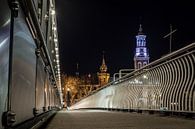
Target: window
x=139, y=65
x=145, y=63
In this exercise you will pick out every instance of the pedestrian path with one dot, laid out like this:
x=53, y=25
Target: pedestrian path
x=96, y=119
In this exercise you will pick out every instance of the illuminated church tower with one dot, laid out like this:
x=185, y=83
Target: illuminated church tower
x=103, y=76
x=141, y=57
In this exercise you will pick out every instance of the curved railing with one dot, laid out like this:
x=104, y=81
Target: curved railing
x=165, y=84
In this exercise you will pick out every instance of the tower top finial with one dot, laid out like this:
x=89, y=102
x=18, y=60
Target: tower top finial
x=140, y=29
x=77, y=66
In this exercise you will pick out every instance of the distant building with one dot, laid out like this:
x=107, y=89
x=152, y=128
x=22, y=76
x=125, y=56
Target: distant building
x=141, y=57
x=79, y=86
x=103, y=76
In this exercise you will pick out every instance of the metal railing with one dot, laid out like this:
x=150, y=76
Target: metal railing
x=31, y=86
x=165, y=84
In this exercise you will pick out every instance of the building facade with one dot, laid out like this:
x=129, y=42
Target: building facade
x=103, y=75
x=141, y=57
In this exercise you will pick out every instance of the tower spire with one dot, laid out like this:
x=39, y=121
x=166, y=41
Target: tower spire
x=103, y=76
x=103, y=59
x=140, y=29
x=103, y=67
x=77, y=69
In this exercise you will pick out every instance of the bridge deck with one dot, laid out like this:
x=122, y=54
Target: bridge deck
x=95, y=119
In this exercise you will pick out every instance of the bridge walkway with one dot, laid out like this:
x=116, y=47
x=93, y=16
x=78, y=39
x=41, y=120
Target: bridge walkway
x=97, y=119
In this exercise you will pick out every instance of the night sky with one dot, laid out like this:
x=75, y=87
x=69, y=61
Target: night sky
x=88, y=27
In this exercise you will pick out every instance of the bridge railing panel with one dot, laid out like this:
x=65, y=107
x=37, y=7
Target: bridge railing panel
x=166, y=84
x=4, y=55
x=24, y=71
x=40, y=89
x=29, y=86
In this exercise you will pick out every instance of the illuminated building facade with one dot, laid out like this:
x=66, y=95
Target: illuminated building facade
x=103, y=76
x=141, y=57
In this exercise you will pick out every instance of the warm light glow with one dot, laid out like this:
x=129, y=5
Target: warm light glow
x=145, y=77
x=68, y=89
x=53, y=12
x=55, y=40
x=56, y=49
x=54, y=28
x=136, y=81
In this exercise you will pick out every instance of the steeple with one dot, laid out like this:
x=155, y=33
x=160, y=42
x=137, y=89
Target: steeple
x=103, y=67
x=77, y=69
x=103, y=76
x=103, y=60
x=140, y=30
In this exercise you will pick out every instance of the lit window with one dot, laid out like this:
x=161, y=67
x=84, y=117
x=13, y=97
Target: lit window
x=137, y=54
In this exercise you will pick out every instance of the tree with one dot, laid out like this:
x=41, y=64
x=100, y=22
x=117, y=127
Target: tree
x=71, y=84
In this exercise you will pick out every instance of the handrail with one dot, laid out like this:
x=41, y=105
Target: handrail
x=192, y=45
x=124, y=78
